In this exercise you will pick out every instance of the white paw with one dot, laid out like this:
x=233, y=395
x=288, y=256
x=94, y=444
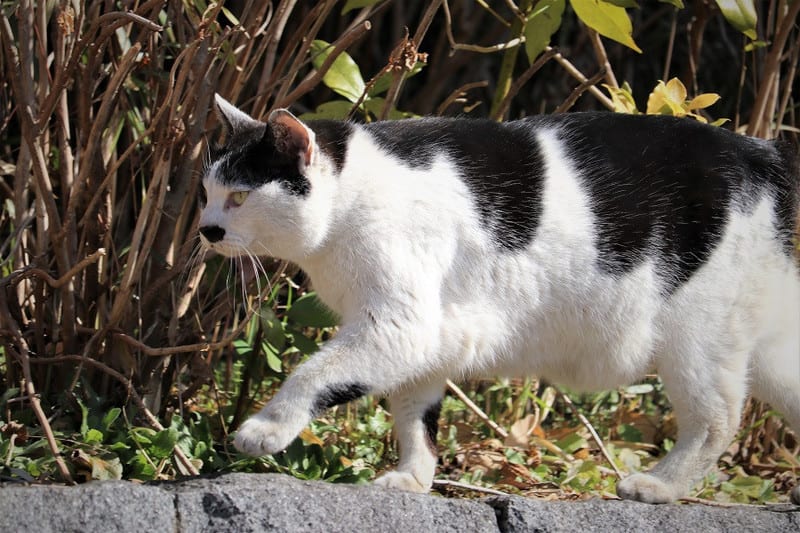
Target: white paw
x=401, y=481
x=647, y=488
x=262, y=436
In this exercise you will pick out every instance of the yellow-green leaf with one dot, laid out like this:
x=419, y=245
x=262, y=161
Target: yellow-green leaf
x=701, y=101
x=542, y=25
x=344, y=76
x=741, y=14
x=606, y=19
x=622, y=98
x=667, y=99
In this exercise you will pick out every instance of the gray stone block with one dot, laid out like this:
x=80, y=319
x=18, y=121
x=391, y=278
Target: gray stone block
x=108, y=506
x=268, y=502
x=516, y=514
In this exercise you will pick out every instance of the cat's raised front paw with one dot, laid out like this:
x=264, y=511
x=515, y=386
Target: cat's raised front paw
x=401, y=481
x=647, y=488
x=262, y=436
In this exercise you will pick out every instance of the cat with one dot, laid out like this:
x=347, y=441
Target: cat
x=584, y=248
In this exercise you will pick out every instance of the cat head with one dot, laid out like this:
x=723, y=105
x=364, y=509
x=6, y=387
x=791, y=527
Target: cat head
x=267, y=190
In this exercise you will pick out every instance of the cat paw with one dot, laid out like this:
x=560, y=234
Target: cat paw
x=401, y=481
x=795, y=494
x=647, y=488
x=262, y=436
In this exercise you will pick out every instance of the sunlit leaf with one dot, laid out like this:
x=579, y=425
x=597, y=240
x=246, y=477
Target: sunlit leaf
x=606, y=19
x=542, y=25
x=273, y=361
x=622, y=99
x=677, y=3
x=344, y=76
x=741, y=14
x=701, y=101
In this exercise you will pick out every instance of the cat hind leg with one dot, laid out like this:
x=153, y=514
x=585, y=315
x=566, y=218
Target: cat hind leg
x=416, y=415
x=707, y=398
x=776, y=379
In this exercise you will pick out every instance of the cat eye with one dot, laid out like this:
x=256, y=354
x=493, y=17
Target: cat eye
x=237, y=198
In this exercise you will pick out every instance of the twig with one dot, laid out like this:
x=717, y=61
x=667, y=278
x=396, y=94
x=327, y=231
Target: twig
x=459, y=93
x=507, y=65
x=397, y=82
x=179, y=455
x=515, y=87
x=594, y=434
x=63, y=280
x=22, y=353
x=578, y=91
x=455, y=389
x=602, y=57
x=671, y=46
x=578, y=75
x=712, y=503
x=465, y=486
x=771, y=70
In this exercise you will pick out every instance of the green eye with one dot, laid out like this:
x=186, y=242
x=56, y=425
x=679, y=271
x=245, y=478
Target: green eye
x=238, y=198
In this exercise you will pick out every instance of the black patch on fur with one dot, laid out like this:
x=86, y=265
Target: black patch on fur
x=665, y=187
x=259, y=155
x=337, y=395
x=332, y=138
x=501, y=164
x=430, y=419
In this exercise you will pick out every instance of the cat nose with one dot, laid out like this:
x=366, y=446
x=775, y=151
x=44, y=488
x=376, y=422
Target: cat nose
x=212, y=233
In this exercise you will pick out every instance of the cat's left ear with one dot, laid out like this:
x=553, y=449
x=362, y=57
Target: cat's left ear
x=232, y=117
x=299, y=137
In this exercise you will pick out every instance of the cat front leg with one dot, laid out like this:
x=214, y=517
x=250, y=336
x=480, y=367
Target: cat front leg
x=416, y=422
x=348, y=367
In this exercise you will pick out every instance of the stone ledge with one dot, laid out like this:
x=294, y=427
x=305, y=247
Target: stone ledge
x=269, y=502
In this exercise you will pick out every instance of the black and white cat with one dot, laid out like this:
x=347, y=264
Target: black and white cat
x=587, y=249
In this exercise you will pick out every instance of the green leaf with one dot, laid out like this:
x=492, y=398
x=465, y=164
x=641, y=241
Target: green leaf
x=677, y=3
x=629, y=433
x=542, y=26
x=93, y=436
x=242, y=347
x=624, y=3
x=273, y=361
x=303, y=343
x=357, y=4
x=741, y=14
x=383, y=82
x=606, y=19
x=230, y=16
x=163, y=443
x=110, y=417
x=309, y=311
x=336, y=110
x=344, y=76
x=572, y=443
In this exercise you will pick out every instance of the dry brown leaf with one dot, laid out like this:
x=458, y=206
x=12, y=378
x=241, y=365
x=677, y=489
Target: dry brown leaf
x=520, y=432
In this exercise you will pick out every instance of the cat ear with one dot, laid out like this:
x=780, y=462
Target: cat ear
x=232, y=117
x=299, y=137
